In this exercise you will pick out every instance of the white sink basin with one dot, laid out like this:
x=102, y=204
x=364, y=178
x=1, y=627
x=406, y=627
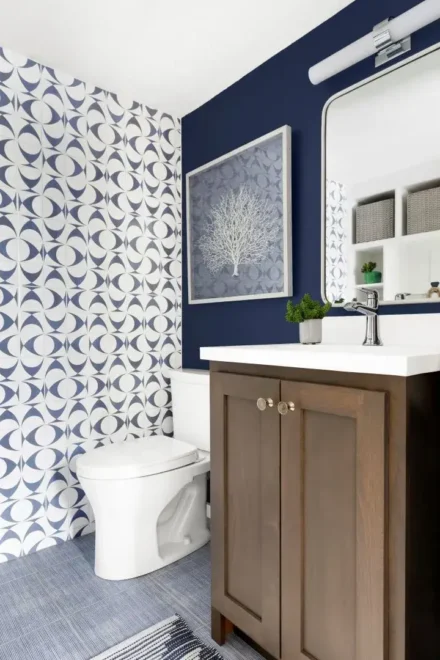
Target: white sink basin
x=386, y=360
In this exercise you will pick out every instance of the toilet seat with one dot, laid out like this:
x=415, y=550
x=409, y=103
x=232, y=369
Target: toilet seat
x=135, y=458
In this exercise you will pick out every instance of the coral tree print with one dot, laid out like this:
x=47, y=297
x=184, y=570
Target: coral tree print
x=242, y=230
x=238, y=217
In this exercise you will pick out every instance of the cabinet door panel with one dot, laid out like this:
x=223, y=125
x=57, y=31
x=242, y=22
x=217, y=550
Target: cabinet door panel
x=243, y=503
x=329, y=542
x=333, y=470
x=245, y=500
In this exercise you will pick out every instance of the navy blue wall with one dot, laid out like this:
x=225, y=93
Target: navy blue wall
x=277, y=93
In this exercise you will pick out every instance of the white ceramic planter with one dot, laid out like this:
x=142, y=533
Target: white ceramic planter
x=310, y=332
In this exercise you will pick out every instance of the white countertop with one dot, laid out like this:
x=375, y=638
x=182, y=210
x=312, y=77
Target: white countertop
x=385, y=360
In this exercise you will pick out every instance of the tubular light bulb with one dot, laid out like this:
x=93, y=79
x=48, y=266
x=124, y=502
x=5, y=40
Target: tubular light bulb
x=412, y=20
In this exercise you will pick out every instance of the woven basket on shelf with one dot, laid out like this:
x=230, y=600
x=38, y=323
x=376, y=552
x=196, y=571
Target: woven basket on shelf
x=375, y=221
x=423, y=212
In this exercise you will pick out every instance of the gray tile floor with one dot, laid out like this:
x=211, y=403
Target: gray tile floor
x=53, y=607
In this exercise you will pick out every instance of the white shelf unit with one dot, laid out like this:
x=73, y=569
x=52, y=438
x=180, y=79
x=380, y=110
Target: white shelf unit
x=422, y=236
x=359, y=254
x=378, y=285
x=408, y=262
x=371, y=245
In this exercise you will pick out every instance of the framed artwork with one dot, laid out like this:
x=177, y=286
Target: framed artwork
x=239, y=223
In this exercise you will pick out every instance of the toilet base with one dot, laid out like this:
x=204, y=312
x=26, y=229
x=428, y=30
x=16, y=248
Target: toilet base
x=172, y=555
x=146, y=523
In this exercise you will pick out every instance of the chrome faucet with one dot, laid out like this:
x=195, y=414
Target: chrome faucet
x=370, y=311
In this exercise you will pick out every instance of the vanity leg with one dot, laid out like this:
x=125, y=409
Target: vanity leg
x=221, y=627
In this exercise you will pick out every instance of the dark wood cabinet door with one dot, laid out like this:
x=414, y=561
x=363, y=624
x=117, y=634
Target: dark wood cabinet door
x=333, y=466
x=245, y=504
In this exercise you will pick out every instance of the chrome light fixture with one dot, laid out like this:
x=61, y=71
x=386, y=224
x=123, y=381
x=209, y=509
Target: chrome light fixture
x=389, y=39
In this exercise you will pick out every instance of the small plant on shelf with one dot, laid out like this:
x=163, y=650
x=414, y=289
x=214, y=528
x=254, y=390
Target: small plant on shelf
x=371, y=275
x=368, y=267
x=309, y=314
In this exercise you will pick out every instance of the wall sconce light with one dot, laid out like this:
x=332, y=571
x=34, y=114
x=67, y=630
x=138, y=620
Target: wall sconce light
x=389, y=39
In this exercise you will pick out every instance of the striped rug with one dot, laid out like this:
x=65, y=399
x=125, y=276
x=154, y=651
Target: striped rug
x=168, y=640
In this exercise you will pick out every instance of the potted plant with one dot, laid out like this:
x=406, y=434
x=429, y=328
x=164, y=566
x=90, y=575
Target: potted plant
x=309, y=314
x=371, y=276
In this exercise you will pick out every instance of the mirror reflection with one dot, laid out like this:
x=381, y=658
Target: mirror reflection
x=382, y=173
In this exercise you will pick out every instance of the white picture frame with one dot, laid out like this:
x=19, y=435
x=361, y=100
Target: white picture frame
x=272, y=190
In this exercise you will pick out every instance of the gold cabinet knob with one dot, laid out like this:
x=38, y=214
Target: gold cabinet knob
x=283, y=407
x=262, y=404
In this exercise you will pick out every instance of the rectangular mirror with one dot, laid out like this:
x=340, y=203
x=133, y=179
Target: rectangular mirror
x=381, y=182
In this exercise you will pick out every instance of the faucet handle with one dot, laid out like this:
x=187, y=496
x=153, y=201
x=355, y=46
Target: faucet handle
x=372, y=297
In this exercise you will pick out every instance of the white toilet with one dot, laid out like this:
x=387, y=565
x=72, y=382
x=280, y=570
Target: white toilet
x=149, y=495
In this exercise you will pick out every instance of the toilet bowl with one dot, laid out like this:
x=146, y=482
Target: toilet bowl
x=149, y=494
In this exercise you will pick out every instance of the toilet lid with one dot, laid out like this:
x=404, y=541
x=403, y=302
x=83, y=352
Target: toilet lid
x=136, y=458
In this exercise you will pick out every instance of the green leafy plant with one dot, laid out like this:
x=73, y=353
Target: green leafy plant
x=368, y=267
x=306, y=310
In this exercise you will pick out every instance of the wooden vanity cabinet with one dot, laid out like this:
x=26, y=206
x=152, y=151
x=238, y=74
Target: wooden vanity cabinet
x=313, y=513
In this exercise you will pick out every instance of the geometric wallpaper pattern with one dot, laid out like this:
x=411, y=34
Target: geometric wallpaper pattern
x=90, y=289
x=336, y=262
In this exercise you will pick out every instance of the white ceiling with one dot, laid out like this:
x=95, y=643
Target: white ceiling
x=173, y=54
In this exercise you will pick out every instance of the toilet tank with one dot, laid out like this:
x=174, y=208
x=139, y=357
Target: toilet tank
x=190, y=404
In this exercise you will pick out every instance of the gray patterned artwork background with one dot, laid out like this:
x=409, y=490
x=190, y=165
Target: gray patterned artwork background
x=336, y=264
x=259, y=168
x=90, y=289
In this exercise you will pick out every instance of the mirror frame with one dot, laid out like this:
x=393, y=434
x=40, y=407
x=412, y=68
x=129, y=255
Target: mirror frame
x=347, y=90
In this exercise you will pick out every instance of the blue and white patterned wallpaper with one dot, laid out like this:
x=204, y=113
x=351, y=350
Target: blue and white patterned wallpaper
x=336, y=259
x=90, y=289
